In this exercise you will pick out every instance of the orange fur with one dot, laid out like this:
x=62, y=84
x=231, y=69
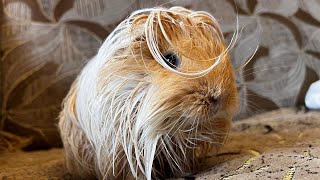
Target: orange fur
x=193, y=113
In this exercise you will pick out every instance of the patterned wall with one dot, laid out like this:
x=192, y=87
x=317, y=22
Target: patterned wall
x=44, y=44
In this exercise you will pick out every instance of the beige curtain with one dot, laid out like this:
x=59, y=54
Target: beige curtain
x=44, y=44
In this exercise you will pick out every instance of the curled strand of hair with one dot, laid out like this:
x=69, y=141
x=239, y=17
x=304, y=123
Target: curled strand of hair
x=128, y=122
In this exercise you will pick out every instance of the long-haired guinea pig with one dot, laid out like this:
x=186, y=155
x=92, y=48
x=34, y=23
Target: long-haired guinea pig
x=158, y=97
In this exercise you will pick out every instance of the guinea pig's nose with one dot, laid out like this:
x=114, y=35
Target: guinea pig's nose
x=214, y=104
x=214, y=100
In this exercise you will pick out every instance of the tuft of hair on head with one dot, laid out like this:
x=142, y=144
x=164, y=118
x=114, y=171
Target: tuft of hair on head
x=160, y=27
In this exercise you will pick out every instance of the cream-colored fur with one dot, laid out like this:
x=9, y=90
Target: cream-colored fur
x=130, y=115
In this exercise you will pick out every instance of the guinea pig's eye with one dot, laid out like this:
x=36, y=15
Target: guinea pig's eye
x=172, y=60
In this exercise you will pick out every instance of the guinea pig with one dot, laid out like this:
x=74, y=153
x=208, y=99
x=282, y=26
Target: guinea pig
x=157, y=98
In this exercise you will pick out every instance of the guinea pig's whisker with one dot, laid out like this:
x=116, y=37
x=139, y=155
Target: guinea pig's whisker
x=249, y=101
x=168, y=154
x=252, y=107
x=261, y=70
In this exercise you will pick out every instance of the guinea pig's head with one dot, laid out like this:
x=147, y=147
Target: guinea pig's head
x=171, y=71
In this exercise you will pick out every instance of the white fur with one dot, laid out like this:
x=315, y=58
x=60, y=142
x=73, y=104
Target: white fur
x=107, y=110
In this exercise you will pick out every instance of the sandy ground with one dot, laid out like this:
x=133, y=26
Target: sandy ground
x=282, y=144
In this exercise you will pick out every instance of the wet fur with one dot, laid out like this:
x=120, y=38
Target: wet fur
x=129, y=115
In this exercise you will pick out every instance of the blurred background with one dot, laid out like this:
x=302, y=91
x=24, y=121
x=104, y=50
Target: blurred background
x=45, y=43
